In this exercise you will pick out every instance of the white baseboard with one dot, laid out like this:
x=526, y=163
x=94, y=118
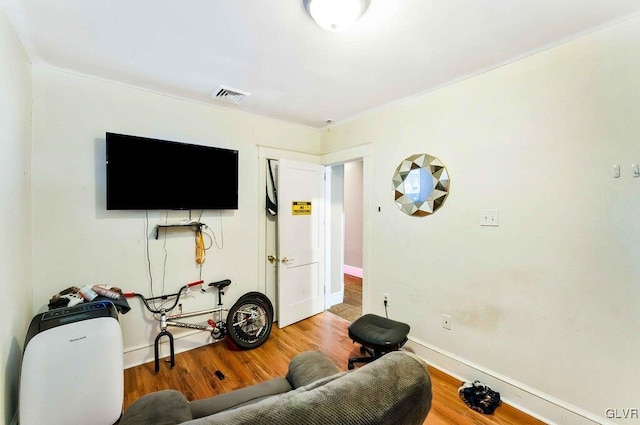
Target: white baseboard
x=352, y=271
x=535, y=403
x=336, y=298
x=186, y=341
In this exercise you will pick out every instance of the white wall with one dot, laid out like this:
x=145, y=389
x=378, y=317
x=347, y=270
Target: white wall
x=550, y=298
x=76, y=241
x=15, y=212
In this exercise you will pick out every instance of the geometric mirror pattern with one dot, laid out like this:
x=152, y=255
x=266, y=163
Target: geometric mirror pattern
x=421, y=185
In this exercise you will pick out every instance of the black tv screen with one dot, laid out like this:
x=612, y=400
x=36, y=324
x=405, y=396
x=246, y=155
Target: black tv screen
x=146, y=174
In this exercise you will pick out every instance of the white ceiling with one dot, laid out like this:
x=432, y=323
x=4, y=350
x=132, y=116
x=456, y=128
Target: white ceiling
x=294, y=70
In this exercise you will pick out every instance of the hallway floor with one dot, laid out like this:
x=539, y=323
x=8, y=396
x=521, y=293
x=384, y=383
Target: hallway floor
x=351, y=307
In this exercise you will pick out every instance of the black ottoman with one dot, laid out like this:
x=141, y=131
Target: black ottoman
x=378, y=336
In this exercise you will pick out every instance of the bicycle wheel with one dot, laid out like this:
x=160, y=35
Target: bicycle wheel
x=258, y=296
x=249, y=322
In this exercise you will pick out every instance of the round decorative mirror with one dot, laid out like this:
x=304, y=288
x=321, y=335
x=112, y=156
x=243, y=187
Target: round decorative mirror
x=421, y=184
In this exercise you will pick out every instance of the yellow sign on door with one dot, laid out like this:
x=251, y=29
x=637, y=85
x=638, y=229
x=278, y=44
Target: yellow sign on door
x=301, y=208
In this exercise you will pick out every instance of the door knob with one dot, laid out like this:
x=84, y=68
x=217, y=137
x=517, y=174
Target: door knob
x=271, y=259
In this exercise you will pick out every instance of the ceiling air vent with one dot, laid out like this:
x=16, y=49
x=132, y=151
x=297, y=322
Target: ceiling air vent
x=229, y=95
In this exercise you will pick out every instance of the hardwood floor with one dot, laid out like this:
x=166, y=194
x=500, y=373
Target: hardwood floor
x=194, y=371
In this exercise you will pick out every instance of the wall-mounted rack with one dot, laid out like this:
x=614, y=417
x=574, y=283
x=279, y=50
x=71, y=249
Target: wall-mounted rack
x=197, y=226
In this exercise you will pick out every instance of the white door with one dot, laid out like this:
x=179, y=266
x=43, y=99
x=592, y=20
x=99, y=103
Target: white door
x=300, y=241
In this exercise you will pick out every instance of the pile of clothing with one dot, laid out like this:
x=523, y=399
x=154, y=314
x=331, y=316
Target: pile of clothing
x=479, y=397
x=74, y=295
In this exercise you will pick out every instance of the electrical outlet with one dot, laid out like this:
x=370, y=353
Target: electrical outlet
x=446, y=322
x=490, y=218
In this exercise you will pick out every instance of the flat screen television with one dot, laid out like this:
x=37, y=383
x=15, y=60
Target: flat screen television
x=147, y=174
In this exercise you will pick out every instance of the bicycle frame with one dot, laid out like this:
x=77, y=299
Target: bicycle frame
x=211, y=326
x=169, y=320
x=250, y=321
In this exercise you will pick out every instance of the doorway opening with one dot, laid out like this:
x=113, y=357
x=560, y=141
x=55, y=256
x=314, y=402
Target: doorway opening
x=346, y=198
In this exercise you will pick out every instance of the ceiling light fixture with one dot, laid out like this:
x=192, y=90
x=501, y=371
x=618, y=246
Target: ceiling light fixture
x=336, y=15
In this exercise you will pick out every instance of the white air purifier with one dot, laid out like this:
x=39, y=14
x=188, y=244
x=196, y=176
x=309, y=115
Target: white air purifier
x=72, y=367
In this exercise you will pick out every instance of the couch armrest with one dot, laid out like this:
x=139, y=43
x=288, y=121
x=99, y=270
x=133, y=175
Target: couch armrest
x=167, y=407
x=308, y=367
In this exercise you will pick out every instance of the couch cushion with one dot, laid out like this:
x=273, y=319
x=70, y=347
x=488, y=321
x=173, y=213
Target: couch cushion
x=395, y=389
x=239, y=398
x=167, y=407
x=308, y=367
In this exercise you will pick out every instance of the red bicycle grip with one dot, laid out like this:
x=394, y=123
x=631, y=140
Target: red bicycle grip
x=129, y=294
x=200, y=282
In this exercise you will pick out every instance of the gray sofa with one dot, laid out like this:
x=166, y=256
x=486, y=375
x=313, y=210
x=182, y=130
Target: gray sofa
x=395, y=389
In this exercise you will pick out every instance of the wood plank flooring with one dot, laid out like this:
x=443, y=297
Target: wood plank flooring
x=351, y=306
x=194, y=371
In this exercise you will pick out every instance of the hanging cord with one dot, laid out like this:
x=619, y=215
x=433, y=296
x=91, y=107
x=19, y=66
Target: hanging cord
x=164, y=262
x=166, y=253
x=200, y=248
x=146, y=238
x=201, y=230
x=272, y=206
x=213, y=238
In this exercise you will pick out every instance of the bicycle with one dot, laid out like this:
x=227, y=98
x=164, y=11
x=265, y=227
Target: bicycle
x=248, y=322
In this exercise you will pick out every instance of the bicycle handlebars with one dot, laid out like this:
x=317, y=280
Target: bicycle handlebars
x=146, y=300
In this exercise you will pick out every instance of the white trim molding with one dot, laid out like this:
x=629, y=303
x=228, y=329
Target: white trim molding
x=352, y=271
x=346, y=155
x=533, y=402
x=335, y=299
x=362, y=151
x=268, y=152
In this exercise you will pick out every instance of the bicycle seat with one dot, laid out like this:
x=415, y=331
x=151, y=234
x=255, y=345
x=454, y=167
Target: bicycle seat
x=221, y=284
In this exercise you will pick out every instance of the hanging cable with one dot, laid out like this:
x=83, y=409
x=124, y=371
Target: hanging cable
x=146, y=238
x=213, y=236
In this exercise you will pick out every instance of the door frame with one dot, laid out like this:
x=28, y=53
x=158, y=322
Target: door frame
x=334, y=236
x=359, y=152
